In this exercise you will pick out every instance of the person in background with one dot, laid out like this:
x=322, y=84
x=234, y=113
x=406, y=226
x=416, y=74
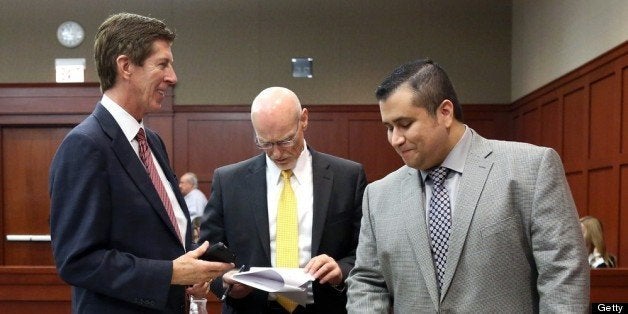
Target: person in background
x=120, y=229
x=250, y=211
x=594, y=239
x=468, y=224
x=194, y=198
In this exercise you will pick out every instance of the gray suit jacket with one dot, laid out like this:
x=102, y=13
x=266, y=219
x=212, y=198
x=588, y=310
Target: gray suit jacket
x=515, y=246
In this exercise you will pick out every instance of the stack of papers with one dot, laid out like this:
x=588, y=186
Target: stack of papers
x=289, y=282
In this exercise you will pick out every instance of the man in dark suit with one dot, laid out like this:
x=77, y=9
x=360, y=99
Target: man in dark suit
x=243, y=208
x=120, y=229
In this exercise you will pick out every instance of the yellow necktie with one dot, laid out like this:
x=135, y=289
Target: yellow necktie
x=287, y=239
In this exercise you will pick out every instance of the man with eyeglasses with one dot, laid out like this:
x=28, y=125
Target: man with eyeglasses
x=244, y=205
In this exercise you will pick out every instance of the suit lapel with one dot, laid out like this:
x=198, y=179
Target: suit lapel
x=256, y=183
x=472, y=181
x=322, y=179
x=413, y=196
x=131, y=163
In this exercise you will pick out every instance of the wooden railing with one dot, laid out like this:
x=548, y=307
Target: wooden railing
x=35, y=289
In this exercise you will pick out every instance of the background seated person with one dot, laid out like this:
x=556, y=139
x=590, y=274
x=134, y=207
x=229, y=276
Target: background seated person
x=594, y=239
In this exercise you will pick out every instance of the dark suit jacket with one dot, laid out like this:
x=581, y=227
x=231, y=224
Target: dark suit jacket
x=111, y=237
x=237, y=215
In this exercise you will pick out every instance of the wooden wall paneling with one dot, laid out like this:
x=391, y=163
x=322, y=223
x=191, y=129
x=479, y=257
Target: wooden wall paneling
x=575, y=126
x=369, y=146
x=623, y=70
x=48, y=98
x=603, y=204
x=26, y=157
x=551, y=124
x=531, y=124
x=578, y=185
x=326, y=132
x=208, y=140
x=609, y=285
x=33, y=290
x=622, y=253
x=604, y=118
x=517, y=125
x=490, y=121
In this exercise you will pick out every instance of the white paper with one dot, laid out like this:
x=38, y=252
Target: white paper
x=289, y=282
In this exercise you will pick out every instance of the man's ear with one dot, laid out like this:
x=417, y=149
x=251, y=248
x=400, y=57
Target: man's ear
x=304, y=118
x=124, y=66
x=445, y=112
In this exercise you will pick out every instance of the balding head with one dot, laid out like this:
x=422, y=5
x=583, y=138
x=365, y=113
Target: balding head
x=275, y=106
x=277, y=115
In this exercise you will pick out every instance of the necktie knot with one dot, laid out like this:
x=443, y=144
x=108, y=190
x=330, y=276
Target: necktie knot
x=141, y=136
x=438, y=175
x=286, y=174
x=143, y=148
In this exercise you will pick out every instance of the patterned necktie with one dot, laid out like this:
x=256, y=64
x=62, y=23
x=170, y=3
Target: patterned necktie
x=147, y=159
x=439, y=221
x=287, y=233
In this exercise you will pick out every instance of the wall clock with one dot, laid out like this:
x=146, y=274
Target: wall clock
x=70, y=34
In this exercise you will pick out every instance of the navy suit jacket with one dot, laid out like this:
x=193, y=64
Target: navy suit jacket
x=237, y=215
x=111, y=237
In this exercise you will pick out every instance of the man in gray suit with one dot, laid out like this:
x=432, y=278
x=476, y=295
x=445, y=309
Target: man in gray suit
x=468, y=224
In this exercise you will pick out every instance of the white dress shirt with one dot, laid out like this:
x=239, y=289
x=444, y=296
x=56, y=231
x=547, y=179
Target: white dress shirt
x=303, y=187
x=130, y=127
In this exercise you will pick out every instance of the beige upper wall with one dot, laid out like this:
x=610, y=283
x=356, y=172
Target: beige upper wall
x=552, y=38
x=228, y=50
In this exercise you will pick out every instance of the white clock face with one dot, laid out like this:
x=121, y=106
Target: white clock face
x=70, y=34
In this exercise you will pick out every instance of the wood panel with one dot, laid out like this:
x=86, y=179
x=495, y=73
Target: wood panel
x=604, y=182
x=492, y=121
x=369, y=146
x=622, y=254
x=609, y=285
x=531, y=125
x=206, y=140
x=551, y=124
x=25, y=159
x=604, y=109
x=624, y=111
x=592, y=118
x=575, y=117
x=578, y=185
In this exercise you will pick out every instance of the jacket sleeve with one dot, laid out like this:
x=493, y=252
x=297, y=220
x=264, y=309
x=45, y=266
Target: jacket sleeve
x=557, y=242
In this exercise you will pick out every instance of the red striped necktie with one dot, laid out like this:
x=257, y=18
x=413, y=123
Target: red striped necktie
x=147, y=159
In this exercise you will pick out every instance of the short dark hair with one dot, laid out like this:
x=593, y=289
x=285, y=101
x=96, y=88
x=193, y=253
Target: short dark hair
x=126, y=34
x=429, y=82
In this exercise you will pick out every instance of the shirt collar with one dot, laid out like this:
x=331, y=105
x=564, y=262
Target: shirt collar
x=300, y=169
x=456, y=158
x=127, y=123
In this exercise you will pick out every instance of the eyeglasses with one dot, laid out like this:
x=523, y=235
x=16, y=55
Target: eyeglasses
x=285, y=143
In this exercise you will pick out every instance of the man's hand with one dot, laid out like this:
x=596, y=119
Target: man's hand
x=199, y=290
x=325, y=269
x=187, y=269
x=239, y=290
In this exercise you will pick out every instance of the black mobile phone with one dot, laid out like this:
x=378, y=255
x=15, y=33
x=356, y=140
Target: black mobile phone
x=219, y=252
